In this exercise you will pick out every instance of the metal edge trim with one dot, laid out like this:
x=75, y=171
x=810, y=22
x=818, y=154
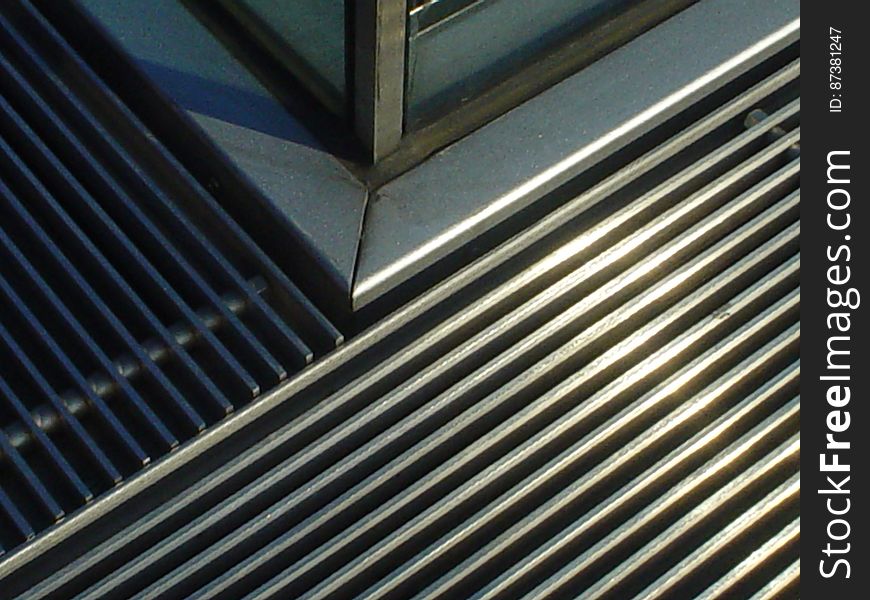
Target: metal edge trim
x=423, y=215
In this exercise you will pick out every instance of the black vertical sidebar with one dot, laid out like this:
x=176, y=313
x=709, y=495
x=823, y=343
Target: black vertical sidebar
x=835, y=227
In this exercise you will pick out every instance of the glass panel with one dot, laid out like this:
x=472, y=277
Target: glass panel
x=459, y=48
x=192, y=67
x=308, y=36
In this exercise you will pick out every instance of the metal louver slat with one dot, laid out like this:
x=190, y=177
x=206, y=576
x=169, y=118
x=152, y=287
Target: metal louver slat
x=71, y=327
x=703, y=443
x=106, y=185
x=741, y=526
x=68, y=474
x=154, y=158
x=605, y=404
x=766, y=553
x=475, y=452
x=95, y=215
x=781, y=584
x=136, y=311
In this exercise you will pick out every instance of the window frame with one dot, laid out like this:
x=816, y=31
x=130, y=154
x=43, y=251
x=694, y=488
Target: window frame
x=359, y=242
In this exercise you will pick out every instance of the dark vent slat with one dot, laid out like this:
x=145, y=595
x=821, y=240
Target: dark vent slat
x=23, y=360
x=70, y=328
x=31, y=481
x=121, y=216
x=138, y=311
x=98, y=306
x=11, y=512
x=63, y=177
x=180, y=228
x=33, y=432
x=61, y=466
x=115, y=323
x=110, y=230
x=306, y=315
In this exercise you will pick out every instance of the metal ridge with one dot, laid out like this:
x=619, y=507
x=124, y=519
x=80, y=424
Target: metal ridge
x=383, y=330
x=464, y=190
x=722, y=204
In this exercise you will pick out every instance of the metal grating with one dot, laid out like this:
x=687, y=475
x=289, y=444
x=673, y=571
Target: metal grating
x=604, y=406
x=134, y=312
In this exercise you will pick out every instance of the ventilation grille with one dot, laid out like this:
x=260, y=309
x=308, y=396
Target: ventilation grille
x=134, y=312
x=610, y=411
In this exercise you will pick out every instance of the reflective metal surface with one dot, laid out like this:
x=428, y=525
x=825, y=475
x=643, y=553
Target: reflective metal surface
x=599, y=401
x=611, y=390
x=379, y=74
x=456, y=50
x=493, y=173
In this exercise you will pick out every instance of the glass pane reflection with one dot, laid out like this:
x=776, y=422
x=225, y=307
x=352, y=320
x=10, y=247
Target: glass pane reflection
x=308, y=36
x=459, y=48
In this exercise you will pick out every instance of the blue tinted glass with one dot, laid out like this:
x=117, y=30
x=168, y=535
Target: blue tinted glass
x=307, y=35
x=458, y=48
x=192, y=66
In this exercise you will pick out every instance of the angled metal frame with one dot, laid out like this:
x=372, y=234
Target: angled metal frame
x=367, y=243
x=509, y=164
x=379, y=74
x=484, y=178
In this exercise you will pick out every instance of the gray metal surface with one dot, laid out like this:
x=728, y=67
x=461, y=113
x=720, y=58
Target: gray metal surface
x=493, y=173
x=379, y=74
x=509, y=252
x=603, y=384
x=304, y=186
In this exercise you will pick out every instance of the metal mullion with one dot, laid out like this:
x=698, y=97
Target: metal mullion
x=378, y=61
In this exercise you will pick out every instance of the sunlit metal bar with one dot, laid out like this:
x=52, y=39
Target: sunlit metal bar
x=379, y=73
